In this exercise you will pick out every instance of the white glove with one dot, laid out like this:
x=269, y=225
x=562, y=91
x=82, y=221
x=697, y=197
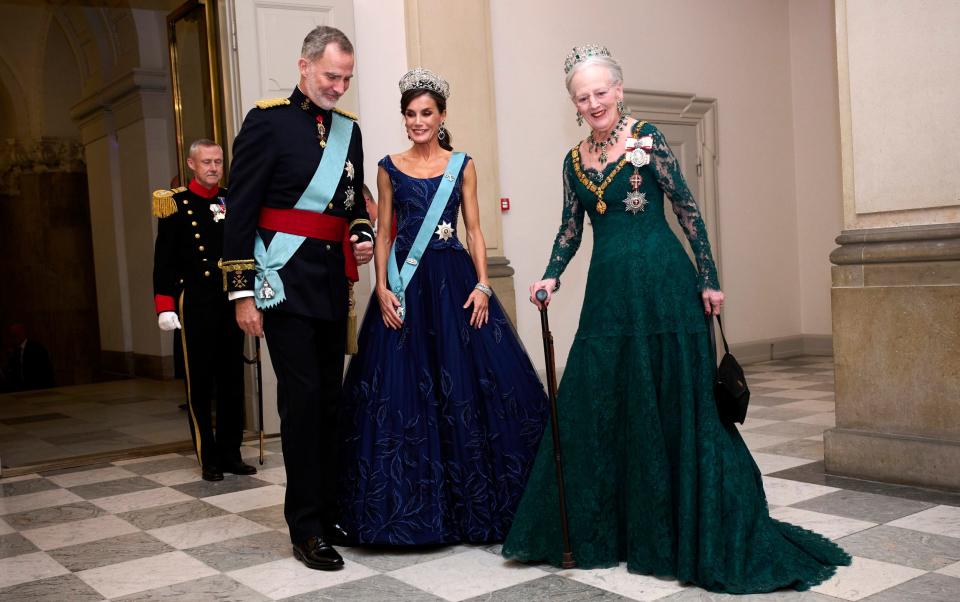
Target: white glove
x=168, y=320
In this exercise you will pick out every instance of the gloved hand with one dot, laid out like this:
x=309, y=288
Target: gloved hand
x=168, y=320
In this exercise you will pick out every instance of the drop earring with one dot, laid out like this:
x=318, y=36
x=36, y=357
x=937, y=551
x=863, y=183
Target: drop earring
x=621, y=107
x=442, y=133
x=579, y=119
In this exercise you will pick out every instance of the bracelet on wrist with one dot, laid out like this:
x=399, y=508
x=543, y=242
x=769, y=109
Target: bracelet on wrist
x=483, y=288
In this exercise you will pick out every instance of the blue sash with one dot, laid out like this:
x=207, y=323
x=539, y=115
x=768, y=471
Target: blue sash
x=398, y=279
x=268, y=286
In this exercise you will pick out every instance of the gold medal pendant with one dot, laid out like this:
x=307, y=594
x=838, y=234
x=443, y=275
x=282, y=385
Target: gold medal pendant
x=601, y=207
x=321, y=133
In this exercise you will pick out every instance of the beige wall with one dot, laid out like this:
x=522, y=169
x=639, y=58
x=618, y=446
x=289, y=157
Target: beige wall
x=816, y=128
x=736, y=51
x=897, y=119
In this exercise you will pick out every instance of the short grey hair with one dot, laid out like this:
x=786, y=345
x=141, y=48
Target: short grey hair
x=201, y=143
x=616, y=72
x=318, y=39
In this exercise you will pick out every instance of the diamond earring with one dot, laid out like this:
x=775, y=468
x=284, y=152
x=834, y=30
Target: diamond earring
x=442, y=133
x=579, y=119
x=621, y=107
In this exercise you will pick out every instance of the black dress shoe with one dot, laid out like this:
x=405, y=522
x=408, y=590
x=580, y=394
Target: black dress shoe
x=212, y=473
x=317, y=554
x=335, y=534
x=239, y=467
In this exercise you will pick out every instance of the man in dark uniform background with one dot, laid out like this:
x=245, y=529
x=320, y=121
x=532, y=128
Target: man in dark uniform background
x=275, y=156
x=188, y=294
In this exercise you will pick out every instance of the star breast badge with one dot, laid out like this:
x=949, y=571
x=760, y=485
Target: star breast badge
x=635, y=202
x=445, y=230
x=348, y=169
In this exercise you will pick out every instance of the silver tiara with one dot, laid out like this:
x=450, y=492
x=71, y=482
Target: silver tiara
x=582, y=53
x=424, y=79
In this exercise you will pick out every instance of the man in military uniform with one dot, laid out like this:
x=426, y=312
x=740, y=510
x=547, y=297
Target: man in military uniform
x=297, y=229
x=188, y=295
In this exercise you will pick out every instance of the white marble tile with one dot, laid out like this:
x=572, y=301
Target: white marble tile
x=208, y=530
x=466, y=575
x=760, y=440
x=619, y=581
x=248, y=499
x=176, y=477
x=5, y=528
x=810, y=404
x=88, y=477
x=28, y=567
x=766, y=375
x=774, y=463
x=866, y=577
x=35, y=501
x=77, y=532
x=824, y=419
x=247, y=452
x=784, y=492
x=276, y=475
x=170, y=456
x=134, y=576
x=799, y=394
x=288, y=577
x=828, y=525
x=753, y=423
x=141, y=499
x=941, y=520
x=951, y=569
x=785, y=383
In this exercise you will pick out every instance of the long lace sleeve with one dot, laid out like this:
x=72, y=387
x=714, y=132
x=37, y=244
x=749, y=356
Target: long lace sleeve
x=571, y=228
x=685, y=207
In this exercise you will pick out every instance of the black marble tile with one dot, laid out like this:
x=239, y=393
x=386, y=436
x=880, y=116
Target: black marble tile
x=14, y=544
x=33, y=418
x=905, y=547
x=216, y=588
x=931, y=587
x=164, y=465
x=114, y=487
x=378, y=587
x=863, y=506
x=814, y=473
x=271, y=516
x=112, y=550
x=171, y=514
x=553, y=588
x=241, y=552
x=54, y=589
x=229, y=484
x=28, y=486
x=55, y=515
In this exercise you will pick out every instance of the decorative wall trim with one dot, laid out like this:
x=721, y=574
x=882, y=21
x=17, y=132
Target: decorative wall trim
x=751, y=352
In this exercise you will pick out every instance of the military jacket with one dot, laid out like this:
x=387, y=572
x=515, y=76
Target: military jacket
x=189, y=242
x=275, y=155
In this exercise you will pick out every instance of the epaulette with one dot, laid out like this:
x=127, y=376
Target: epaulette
x=347, y=114
x=269, y=103
x=178, y=189
x=163, y=203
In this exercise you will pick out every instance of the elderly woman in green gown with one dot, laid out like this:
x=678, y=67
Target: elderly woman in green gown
x=653, y=478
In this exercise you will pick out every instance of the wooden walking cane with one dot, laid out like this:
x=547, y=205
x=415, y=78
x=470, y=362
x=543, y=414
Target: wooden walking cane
x=256, y=361
x=568, y=561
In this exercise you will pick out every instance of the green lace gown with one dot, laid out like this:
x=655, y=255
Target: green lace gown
x=652, y=476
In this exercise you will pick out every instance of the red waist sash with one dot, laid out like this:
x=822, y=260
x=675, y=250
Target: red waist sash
x=312, y=225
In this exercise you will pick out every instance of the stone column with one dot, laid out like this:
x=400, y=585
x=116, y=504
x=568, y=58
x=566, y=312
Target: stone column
x=453, y=39
x=896, y=278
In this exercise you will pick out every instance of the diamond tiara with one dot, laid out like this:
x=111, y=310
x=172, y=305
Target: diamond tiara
x=582, y=53
x=424, y=79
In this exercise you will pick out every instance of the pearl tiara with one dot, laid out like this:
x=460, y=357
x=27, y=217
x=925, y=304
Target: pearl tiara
x=424, y=79
x=582, y=53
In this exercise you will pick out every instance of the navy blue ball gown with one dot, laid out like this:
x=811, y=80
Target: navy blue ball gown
x=441, y=421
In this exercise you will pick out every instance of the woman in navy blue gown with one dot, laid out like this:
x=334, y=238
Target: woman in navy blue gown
x=443, y=410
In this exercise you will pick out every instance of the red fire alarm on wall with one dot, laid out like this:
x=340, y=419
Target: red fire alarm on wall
x=504, y=204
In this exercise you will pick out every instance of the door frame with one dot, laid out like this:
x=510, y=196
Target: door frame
x=689, y=109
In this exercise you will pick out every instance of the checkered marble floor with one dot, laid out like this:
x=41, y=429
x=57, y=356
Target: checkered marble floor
x=151, y=529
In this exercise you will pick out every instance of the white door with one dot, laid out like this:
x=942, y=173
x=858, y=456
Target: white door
x=269, y=34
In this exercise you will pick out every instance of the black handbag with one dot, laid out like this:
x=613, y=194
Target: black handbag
x=730, y=386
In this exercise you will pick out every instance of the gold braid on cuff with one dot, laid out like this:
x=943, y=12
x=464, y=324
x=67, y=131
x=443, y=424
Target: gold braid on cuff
x=238, y=266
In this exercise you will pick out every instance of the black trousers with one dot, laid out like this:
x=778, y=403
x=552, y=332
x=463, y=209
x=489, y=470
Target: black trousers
x=213, y=356
x=307, y=356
